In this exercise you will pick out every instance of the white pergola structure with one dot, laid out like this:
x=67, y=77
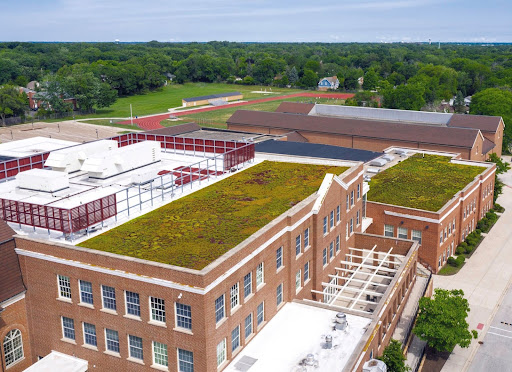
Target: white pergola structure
x=369, y=278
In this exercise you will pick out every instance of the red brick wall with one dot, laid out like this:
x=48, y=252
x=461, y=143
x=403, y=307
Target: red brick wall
x=15, y=317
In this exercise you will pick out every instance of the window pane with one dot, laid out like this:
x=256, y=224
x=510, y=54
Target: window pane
x=13, y=347
x=185, y=361
x=221, y=352
x=259, y=274
x=260, y=316
x=219, y=308
x=248, y=325
x=183, y=316
x=90, y=334
x=68, y=328
x=279, y=294
x=64, y=286
x=86, y=292
x=234, y=296
x=135, y=347
x=157, y=309
x=247, y=285
x=235, y=338
x=160, y=354
x=109, y=297
x=132, y=303
x=112, y=338
x=279, y=257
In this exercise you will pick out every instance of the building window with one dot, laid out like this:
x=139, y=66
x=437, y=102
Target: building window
x=445, y=232
x=297, y=279
x=219, y=308
x=279, y=257
x=68, y=328
x=160, y=354
x=109, y=297
x=331, y=220
x=185, y=361
x=358, y=218
x=13, y=347
x=247, y=285
x=331, y=250
x=64, y=286
x=234, y=293
x=112, y=340
x=235, y=338
x=337, y=244
x=324, y=256
x=338, y=214
x=86, y=292
x=402, y=232
x=348, y=205
x=279, y=294
x=298, y=245
x=306, y=238
x=453, y=225
x=221, y=352
x=260, y=313
x=358, y=191
x=416, y=235
x=450, y=229
x=135, y=346
x=352, y=198
x=389, y=230
x=90, y=334
x=441, y=238
x=260, y=278
x=351, y=226
x=325, y=225
x=306, y=272
x=347, y=230
x=183, y=316
x=248, y=325
x=157, y=309
x=132, y=303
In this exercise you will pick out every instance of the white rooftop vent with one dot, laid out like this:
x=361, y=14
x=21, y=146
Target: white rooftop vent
x=388, y=157
x=42, y=180
x=341, y=321
x=373, y=170
x=380, y=162
x=401, y=152
x=71, y=159
x=375, y=365
x=122, y=159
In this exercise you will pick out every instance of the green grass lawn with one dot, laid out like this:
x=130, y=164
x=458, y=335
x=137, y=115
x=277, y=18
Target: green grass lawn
x=426, y=183
x=159, y=101
x=107, y=123
x=448, y=270
x=195, y=230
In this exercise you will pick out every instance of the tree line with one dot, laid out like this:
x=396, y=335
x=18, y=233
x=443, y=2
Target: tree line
x=404, y=76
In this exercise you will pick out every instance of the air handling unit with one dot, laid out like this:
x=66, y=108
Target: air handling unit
x=123, y=159
x=43, y=180
x=71, y=159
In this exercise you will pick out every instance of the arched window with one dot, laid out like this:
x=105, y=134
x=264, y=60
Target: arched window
x=13, y=347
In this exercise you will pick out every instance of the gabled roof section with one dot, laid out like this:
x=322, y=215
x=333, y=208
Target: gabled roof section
x=456, y=137
x=482, y=122
x=11, y=282
x=295, y=108
x=330, y=79
x=487, y=146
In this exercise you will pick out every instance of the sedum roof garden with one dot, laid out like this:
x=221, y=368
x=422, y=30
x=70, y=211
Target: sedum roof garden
x=423, y=182
x=195, y=230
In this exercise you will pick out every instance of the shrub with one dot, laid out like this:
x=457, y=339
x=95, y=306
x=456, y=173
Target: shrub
x=498, y=208
x=459, y=250
x=469, y=249
x=460, y=260
x=452, y=261
x=478, y=232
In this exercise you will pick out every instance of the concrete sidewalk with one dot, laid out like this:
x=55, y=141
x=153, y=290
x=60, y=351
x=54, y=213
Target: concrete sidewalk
x=484, y=279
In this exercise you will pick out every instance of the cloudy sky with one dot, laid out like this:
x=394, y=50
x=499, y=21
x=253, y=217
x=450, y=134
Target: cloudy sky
x=257, y=20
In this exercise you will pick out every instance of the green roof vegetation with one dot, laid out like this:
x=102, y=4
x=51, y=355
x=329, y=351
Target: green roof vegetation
x=426, y=183
x=195, y=230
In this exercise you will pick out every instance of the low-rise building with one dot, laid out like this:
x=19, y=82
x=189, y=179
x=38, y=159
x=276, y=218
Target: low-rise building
x=327, y=83
x=212, y=99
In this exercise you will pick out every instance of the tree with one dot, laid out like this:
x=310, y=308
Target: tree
x=309, y=79
x=495, y=102
x=12, y=102
x=393, y=357
x=371, y=79
x=52, y=96
x=404, y=97
x=501, y=165
x=458, y=103
x=442, y=322
x=293, y=76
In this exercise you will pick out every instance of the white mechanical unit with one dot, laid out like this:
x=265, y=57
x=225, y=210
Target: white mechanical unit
x=71, y=159
x=42, y=180
x=122, y=159
x=379, y=162
x=388, y=157
x=375, y=365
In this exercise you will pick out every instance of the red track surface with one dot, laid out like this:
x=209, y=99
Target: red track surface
x=153, y=122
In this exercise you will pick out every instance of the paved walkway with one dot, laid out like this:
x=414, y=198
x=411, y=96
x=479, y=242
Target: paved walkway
x=153, y=121
x=484, y=280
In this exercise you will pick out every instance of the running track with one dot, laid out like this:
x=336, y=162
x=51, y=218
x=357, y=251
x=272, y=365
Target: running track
x=153, y=122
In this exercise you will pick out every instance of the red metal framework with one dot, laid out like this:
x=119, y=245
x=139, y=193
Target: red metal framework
x=238, y=156
x=59, y=219
x=10, y=168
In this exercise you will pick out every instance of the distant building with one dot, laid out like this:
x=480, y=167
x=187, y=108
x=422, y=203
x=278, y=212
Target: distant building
x=326, y=83
x=206, y=100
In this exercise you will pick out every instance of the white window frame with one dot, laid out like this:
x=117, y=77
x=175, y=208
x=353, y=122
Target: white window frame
x=298, y=280
x=223, y=307
x=249, y=287
x=262, y=313
x=389, y=229
x=279, y=294
x=358, y=219
x=82, y=292
x=135, y=347
x=64, y=284
x=403, y=232
x=64, y=327
x=351, y=225
x=190, y=364
x=337, y=244
x=221, y=352
x=237, y=338
x=246, y=326
x=260, y=275
x=111, y=340
x=279, y=258
x=165, y=356
x=298, y=245
x=416, y=235
x=325, y=225
x=324, y=257
x=234, y=295
x=306, y=272
x=183, y=317
x=157, y=309
x=331, y=219
x=306, y=238
x=109, y=298
x=85, y=334
x=338, y=214
x=132, y=303
x=9, y=339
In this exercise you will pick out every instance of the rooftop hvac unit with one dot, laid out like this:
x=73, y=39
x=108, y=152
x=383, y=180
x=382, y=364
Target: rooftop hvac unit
x=380, y=162
x=71, y=159
x=42, y=180
x=341, y=321
x=373, y=170
x=401, y=152
x=122, y=159
x=388, y=157
x=375, y=365
x=309, y=361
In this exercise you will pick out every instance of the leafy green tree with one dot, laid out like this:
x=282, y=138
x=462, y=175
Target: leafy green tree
x=293, y=76
x=371, y=79
x=309, y=79
x=458, y=103
x=313, y=66
x=495, y=102
x=394, y=358
x=52, y=96
x=501, y=165
x=442, y=321
x=404, y=97
x=12, y=102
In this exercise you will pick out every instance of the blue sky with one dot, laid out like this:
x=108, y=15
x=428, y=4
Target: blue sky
x=257, y=20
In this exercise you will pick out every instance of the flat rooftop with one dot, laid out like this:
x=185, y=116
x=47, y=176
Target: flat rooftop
x=32, y=146
x=422, y=181
x=198, y=228
x=287, y=339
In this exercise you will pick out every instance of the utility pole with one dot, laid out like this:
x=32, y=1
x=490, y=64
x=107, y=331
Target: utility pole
x=131, y=115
